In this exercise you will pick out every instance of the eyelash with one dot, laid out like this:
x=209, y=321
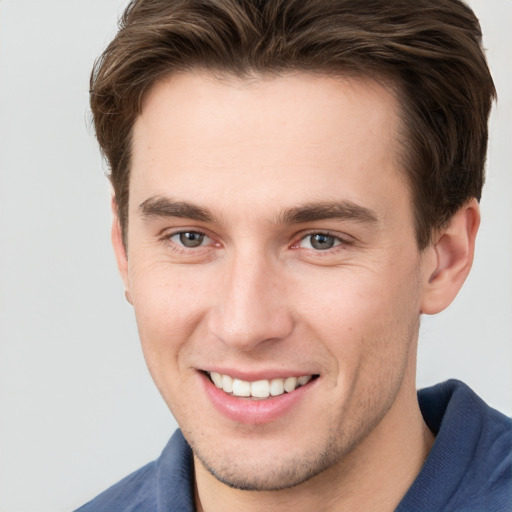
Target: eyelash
x=337, y=241
x=180, y=246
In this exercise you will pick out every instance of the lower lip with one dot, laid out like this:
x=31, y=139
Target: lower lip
x=251, y=411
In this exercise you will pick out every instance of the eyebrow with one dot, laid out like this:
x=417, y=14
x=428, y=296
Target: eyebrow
x=160, y=206
x=344, y=210
x=165, y=207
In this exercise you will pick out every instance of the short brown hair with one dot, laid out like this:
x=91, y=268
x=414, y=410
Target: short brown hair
x=430, y=51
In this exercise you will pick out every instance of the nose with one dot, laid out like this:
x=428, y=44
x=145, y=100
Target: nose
x=251, y=307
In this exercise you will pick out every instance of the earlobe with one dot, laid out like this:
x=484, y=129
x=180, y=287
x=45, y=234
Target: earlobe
x=120, y=250
x=453, y=251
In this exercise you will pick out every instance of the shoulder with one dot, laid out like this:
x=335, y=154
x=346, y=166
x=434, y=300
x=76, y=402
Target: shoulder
x=452, y=409
x=485, y=439
x=135, y=492
x=452, y=405
x=165, y=484
x=470, y=464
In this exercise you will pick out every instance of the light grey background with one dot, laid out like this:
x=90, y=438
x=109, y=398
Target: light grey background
x=78, y=410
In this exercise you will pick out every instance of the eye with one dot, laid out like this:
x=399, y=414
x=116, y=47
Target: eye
x=319, y=241
x=190, y=239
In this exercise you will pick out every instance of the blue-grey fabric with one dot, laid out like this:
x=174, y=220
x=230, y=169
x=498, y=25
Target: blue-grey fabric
x=470, y=465
x=468, y=469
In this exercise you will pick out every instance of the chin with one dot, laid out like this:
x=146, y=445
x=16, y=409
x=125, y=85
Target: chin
x=272, y=472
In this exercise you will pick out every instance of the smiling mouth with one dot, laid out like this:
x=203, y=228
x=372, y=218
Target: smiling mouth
x=258, y=389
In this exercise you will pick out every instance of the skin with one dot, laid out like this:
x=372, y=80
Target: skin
x=256, y=296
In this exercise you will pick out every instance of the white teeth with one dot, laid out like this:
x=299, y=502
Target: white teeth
x=260, y=388
x=276, y=387
x=290, y=384
x=217, y=379
x=304, y=380
x=241, y=388
x=227, y=383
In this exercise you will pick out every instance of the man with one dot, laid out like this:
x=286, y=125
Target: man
x=295, y=183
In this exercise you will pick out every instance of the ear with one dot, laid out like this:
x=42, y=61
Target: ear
x=452, y=259
x=119, y=249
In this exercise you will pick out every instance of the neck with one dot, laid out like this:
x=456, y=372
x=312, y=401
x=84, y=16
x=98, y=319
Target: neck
x=375, y=475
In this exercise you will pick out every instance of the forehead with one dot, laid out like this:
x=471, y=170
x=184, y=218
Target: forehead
x=252, y=107
x=281, y=137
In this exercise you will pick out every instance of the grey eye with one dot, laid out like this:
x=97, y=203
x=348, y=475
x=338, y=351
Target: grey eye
x=189, y=239
x=319, y=241
x=322, y=242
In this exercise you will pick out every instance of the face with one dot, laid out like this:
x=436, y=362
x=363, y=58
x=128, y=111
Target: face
x=273, y=269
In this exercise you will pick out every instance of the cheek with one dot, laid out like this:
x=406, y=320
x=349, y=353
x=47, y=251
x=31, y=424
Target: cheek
x=168, y=306
x=169, y=312
x=364, y=314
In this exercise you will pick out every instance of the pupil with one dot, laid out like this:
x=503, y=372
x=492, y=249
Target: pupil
x=322, y=242
x=191, y=239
